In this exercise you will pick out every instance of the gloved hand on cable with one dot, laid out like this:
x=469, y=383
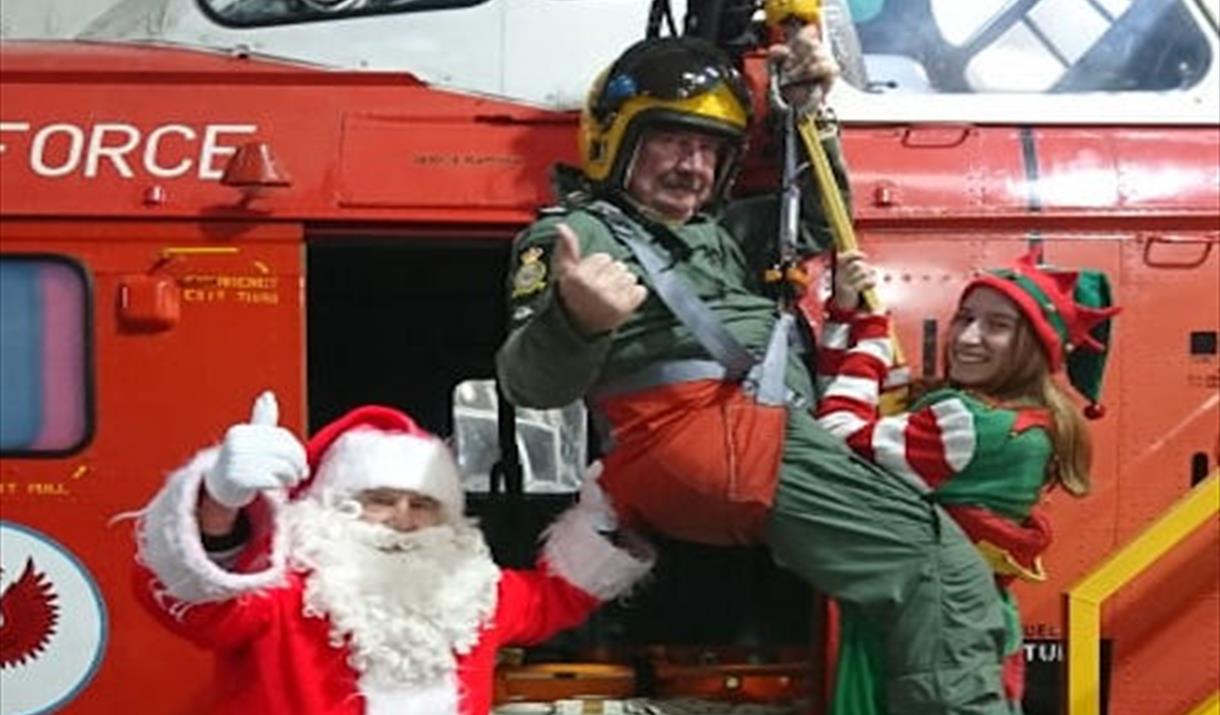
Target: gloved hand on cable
x=256, y=456
x=595, y=503
x=806, y=65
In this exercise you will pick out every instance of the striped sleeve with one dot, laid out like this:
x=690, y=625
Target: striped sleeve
x=854, y=345
x=844, y=330
x=930, y=444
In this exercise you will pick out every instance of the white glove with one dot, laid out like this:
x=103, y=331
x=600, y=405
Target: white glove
x=594, y=502
x=256, y=456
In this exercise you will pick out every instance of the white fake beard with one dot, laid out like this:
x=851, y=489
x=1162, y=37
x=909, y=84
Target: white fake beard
x=403, y=603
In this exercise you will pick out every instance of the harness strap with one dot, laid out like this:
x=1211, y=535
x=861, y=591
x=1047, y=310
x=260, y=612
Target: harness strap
x=681, y=299
x=770, y=388
x=657, y=374
x=733, y=363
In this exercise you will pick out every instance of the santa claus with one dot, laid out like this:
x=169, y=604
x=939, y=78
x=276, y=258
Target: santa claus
x=366, y=590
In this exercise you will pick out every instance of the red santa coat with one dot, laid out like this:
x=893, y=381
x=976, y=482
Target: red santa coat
x=272, y=658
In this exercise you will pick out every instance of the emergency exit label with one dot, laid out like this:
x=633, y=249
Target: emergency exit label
x=243, y=290
x=39, y=489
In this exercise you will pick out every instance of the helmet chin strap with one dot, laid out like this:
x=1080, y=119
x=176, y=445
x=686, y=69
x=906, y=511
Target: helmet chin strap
x=625, y=182
x=628, y=170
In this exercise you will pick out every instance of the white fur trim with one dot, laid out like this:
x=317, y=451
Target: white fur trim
x=577, y=553
x=438, y=699
x=366, y=458
x=169, y=542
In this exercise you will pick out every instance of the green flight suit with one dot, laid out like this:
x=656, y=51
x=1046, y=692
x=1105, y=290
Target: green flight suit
x=851, y=529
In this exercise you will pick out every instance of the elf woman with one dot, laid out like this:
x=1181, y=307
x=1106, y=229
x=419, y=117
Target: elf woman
x=987, y=442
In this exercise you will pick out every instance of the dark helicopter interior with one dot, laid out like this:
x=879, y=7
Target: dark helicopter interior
x=402, y=322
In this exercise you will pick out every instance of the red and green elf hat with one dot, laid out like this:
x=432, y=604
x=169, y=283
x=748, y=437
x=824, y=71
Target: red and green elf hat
x=1070, y=312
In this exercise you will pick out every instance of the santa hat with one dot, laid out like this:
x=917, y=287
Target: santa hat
x=1070, y=313
x=375, y=447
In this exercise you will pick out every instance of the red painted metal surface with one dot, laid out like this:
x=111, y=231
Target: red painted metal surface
x=358, y=146
x=113, y=155
x=158, y=396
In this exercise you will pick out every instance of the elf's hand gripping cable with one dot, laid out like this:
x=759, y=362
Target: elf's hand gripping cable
x=807, y=122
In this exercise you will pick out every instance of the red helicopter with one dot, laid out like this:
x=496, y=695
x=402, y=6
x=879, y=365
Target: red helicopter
x=200, y=199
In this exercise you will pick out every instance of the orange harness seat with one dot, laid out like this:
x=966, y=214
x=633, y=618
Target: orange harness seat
x=697, y=461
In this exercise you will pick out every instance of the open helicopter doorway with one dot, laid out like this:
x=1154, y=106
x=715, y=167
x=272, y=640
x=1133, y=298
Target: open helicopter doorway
x=414, y=323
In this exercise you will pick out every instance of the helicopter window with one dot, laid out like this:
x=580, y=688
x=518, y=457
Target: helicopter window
x=1039, y=46
x=45, y=378
x=251, y=13
x=957, y=21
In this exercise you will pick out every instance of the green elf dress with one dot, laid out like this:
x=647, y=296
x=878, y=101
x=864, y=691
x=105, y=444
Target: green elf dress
x=985, y=463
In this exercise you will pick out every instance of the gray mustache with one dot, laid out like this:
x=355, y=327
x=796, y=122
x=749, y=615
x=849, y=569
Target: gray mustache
x=681, y=181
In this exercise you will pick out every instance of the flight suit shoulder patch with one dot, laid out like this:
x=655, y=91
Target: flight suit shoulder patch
x=530, y=276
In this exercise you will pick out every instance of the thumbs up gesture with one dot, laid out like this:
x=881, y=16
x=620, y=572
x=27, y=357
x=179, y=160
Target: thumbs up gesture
x=256, y=455
x=598, y=292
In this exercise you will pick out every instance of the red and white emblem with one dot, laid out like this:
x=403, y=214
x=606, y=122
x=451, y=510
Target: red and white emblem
x=52, y=623
x=27, y=617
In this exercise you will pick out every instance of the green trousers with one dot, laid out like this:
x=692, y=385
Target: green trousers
x=871, y=540
x=860, y=670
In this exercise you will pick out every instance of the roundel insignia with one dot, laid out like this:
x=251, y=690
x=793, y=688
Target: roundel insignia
x=53, y=630
x=531, y=274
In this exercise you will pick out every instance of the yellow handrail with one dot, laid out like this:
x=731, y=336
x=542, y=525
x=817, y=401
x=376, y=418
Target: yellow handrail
x=1085, y=598
x=893, y=399
x=1211, y=706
